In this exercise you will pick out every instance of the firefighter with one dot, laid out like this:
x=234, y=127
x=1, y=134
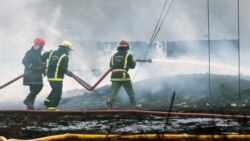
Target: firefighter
x=121, y=62
x=57, y=63
x=33, y=63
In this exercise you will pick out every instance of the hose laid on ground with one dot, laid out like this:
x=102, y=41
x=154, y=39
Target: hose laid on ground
x=142, y=112
x=86, y=85
x=67, y=136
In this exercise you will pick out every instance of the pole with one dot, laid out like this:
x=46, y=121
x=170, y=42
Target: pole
x=238, y=3
x=169, y=110
x=209, y=50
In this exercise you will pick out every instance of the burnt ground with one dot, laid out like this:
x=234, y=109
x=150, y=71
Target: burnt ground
x=192, y=95
x=27, y=125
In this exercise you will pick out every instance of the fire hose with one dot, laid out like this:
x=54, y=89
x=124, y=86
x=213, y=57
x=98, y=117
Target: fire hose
x=152, y=136
x=22, y=75
x=78, y=79
x=86, y=85
x=90, y=88
x=15, y=79
x=139, y=112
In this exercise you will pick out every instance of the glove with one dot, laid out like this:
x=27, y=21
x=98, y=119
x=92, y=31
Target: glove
x=70, y=74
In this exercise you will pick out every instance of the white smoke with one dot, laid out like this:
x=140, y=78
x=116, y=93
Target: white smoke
x=110, y=20
x=20, y=25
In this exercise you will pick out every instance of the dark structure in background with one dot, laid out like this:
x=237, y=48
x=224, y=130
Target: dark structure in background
x=175, y=49
x=223, y=50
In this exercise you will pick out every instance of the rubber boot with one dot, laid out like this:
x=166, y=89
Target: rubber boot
x=46, y=102
x=32, y=100
x=132, y=100
x=137, y=107
x=109, y=105
x=134, y=106
x=29, y=101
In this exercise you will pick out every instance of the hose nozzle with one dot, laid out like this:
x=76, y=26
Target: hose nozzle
x=149, y=60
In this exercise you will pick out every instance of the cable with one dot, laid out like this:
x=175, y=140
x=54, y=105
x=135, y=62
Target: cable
x=163, y=20
x=156, y=31
x=159, y=20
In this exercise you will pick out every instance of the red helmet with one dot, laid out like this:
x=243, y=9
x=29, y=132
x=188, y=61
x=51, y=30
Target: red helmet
x=123, y=44
x=39, y=41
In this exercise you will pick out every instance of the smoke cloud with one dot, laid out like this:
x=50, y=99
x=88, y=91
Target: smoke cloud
x=84, y=21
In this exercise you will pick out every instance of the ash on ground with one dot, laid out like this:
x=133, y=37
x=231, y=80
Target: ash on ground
x=192, y=95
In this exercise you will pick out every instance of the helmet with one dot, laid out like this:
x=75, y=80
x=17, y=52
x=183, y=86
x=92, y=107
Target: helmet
x=39, y=41
x=123, y=44
x=67, y=44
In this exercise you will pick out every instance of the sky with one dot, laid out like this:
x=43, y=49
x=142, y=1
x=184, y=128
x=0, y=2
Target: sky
x=109, y=20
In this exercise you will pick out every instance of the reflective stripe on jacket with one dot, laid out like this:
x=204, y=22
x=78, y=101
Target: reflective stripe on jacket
x=57, y=65
x=121, y=62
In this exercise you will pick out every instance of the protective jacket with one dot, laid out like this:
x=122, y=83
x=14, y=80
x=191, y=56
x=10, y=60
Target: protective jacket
x=32, y=62
x=57, y=64
x=121, y=62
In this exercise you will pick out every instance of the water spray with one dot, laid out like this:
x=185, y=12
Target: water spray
x=192, y=62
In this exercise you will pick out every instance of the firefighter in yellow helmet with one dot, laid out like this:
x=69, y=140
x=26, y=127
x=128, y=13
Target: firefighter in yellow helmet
x=57, y=63
x=121, y=62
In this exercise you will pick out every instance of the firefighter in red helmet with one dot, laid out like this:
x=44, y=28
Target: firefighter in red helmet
x=33, y=62
x=121, y=62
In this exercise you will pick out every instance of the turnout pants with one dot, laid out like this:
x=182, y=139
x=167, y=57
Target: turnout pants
x=30, y=99
x=127, y=85
x=55, y=95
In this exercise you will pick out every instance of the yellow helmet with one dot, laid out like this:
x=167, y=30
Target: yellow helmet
x=67, y=44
